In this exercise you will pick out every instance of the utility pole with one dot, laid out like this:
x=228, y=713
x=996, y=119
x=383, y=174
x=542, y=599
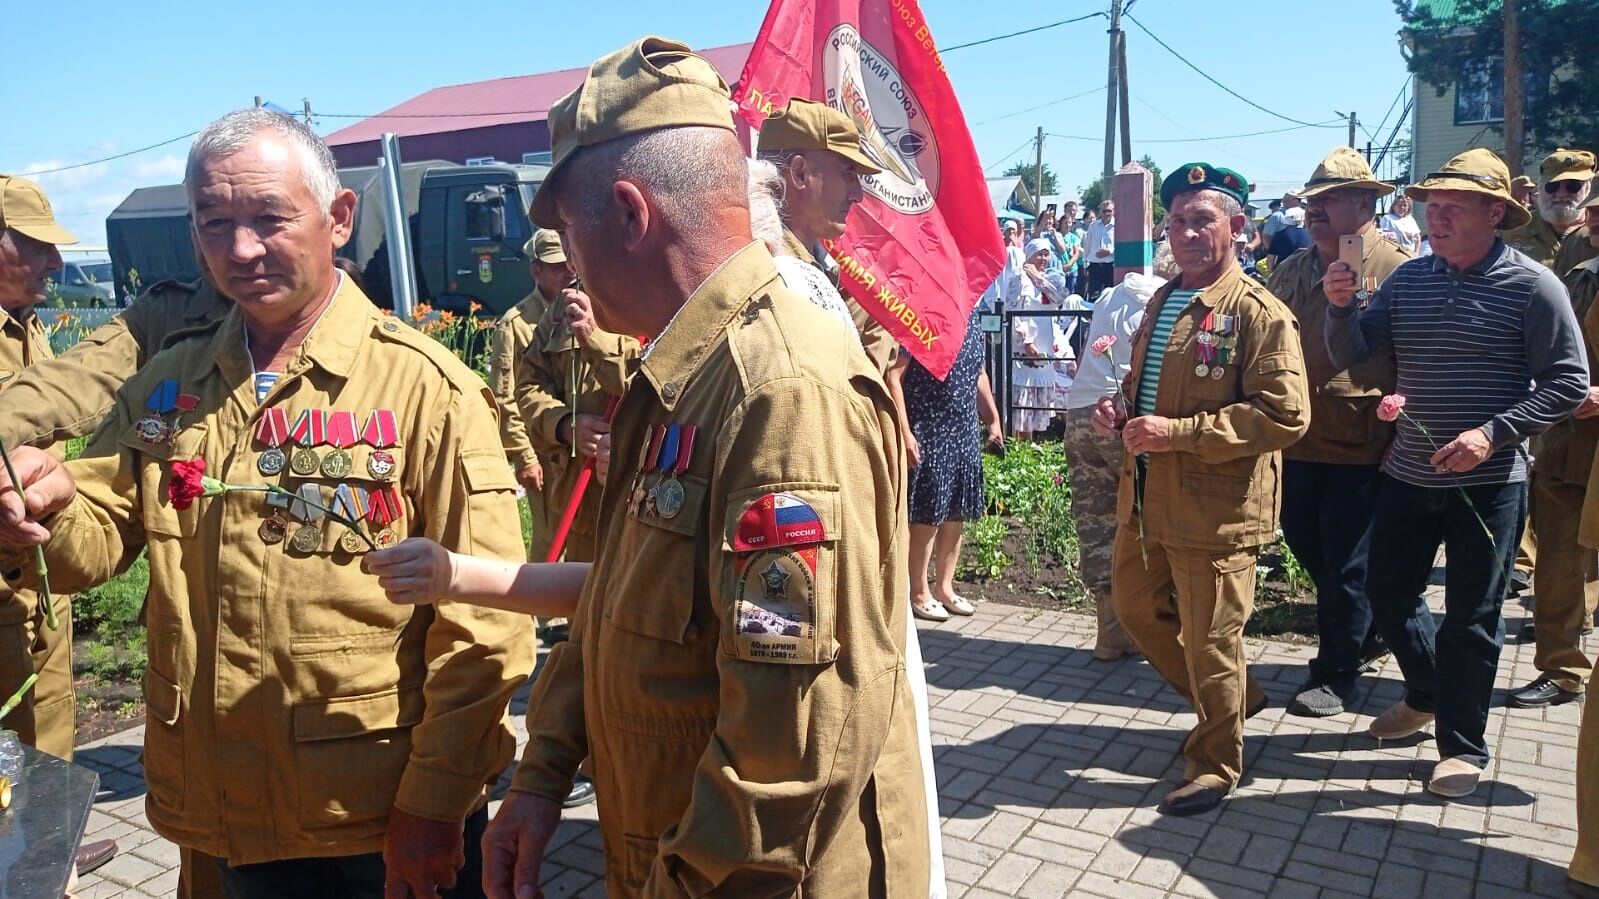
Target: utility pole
x=1121, y=83
x=1112, y=91
x=258, y=101
x=1353, y=119
x=307, y=102
x=1038, y=172
x=1515, y=102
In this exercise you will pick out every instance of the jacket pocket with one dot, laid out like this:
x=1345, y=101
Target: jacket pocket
x=160, y=518
x=655, y=596
x=350, y=752
x=163, y=755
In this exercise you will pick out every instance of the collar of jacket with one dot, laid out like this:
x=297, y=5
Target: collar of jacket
x=21, y=322
x=334, y=343
x=678, y=352
x=795, y=248
x=1222, y=286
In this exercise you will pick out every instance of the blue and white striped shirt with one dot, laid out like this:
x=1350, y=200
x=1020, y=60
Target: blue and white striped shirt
x=1495, y=346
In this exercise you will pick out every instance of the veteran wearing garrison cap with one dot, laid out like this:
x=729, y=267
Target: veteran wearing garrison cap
x=1216, y=392
x=750, y=722
x=1330, y=477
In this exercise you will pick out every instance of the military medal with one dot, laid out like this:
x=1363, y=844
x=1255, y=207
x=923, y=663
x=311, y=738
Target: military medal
x=153, y=428
x=383, y=509
x=636, y=494
x=307, y=432
x=350, y=502
x=337, y=464
x=669, y=493
x=186, y=402
x=274, y=529
x=307, y=507
x=661, y=460
x=272, y=430
x=1202, y=369
x=380, y=433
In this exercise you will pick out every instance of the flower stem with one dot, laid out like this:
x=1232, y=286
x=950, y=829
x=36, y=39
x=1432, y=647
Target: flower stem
x=1498, y=557
x=279, y=491
x=38, y=551
x=16, y=698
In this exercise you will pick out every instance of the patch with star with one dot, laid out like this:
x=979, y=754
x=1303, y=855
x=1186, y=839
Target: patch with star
x=774, y=613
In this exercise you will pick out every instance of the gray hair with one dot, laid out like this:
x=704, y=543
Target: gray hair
x=234, y=131
x=766, y=195
x=1165, y=266
x=683, y=168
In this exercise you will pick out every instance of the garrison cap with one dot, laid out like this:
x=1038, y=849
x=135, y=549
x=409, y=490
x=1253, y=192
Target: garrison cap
x=1204, y=176
x=809, y=125
x=25, y=209
x=1478, y=170
x=1343, y=167
x=1567, y=165
x=650, y=84
x=545, y=246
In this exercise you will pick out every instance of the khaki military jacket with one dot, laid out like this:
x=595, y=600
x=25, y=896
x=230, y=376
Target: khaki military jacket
x=1537, y=239
x=543, y=394
x=23, y=344
x=512, y=335
x=1344, y=428
x=290, y=704
x=1219, y=488
x=66, y=397
x=881, y=346
x=739, y=664
x=1575, y=249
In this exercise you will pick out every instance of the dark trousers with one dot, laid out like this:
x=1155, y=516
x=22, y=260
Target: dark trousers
x=1100, y=276
x=1449, y=667
x=346, y=877
x=1326, y=520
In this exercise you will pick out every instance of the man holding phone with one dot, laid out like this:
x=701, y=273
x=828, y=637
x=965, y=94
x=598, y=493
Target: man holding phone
x=1330, y=476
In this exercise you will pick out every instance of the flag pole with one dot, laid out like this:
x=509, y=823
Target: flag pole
x=569, y=515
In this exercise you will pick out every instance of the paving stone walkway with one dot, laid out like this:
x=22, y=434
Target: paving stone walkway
x=1050, y=765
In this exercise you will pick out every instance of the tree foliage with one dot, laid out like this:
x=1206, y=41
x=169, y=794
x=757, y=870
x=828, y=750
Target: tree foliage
x=1029, y=175
x=1560, y=109
x=1096, y=192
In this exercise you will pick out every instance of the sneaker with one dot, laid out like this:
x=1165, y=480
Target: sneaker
x=1320, y=701
x=1399, y=721
x=1540, y=693
x=1520, y=581
x=1453, y=778
x=1371, y=656
x=582, y=793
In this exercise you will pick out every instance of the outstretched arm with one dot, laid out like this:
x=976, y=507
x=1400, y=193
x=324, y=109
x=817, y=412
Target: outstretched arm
x=421, y=571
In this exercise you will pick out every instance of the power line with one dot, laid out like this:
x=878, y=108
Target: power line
x=1001, y=37
x=1206, y=75
x=84, y=165
x=994, y=165
x=1403, y=86
x=1012, y=115
x=1189, y=140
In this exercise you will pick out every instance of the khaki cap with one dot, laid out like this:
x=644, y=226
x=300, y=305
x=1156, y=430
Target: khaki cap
x=650, y=84
x=1522, y=182
x=1567, y=165
x=25, y=209
x=545, y=246
x=1480, y=171
x=809, y=125
x=1343, y=167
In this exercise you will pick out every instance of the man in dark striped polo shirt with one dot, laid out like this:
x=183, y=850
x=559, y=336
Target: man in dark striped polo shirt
x=1489, y=354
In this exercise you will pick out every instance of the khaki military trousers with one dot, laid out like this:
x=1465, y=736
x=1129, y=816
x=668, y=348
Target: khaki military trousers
x=1186, y=612
x=1585, y=861
x=1566, y=581
x=44, y=719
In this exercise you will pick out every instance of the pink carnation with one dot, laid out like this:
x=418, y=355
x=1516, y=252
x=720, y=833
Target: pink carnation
x=1390, y=407
x=1103, y=344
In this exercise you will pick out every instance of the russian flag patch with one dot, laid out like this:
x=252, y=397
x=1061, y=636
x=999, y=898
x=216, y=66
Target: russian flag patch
x=778, y=519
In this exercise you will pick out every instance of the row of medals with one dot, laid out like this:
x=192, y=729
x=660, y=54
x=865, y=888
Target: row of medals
x=1215, y=370
x=337, y=465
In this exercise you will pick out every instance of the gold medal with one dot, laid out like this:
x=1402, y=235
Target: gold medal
x=668, y=497
x=1217, y=372
x=385, y=539
x=337, y=465
x=271, y=461
x=1202, y=370
x=306, y=539
x=305, y=462
x=380, y=465
x=352, y=543
x=273, y=530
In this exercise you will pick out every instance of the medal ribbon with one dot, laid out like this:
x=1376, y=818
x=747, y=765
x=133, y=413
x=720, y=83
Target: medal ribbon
x=350, y=501
x=685, y=453
x=186, y=402
x=667, y=460
x=341, y=429
x=657, y=435
x=383, y=506
x=380, y=431
x=307, y=504
x=273, y=427
x=308, y=428
x=164, y=398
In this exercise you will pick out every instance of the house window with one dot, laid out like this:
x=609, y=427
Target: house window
x=543, y=157
x=1480, y=92
x=481, y=160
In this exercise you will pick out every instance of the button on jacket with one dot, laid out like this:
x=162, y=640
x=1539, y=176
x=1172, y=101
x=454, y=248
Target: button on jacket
x=1220, y=485
x=1344, y=428
x=290, y=704
x=732, y=758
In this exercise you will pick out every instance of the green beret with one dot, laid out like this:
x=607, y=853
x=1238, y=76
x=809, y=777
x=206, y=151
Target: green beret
x=1204, y=176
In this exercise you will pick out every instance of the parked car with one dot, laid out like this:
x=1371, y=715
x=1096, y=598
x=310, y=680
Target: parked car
x=84, y=284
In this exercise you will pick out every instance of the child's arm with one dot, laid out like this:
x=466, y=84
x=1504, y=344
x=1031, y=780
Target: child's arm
x=420, y=571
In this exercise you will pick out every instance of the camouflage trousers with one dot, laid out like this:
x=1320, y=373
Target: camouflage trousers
x=1094, y=465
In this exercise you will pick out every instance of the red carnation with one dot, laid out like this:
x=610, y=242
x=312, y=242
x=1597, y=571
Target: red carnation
x=187, y=483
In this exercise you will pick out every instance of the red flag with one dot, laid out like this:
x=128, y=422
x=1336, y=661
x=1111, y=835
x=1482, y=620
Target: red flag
x=922, y=246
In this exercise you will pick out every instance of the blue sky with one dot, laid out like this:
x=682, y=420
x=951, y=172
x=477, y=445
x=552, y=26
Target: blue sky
x=99, y=78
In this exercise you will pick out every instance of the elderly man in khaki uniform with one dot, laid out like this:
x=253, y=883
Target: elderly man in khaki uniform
x=1217, y=390
x=817, y=150
x=1330, y=477
x=749, y=721
x=566, y=427
x=302, y=729
x=512, y=334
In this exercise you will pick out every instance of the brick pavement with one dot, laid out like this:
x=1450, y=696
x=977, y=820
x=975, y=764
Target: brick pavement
x=1050, y=765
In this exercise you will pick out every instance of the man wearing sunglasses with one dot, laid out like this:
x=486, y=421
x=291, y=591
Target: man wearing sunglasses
x=1562, y=190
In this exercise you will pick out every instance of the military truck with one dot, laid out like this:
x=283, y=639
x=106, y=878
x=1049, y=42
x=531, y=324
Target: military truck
x=468, y=225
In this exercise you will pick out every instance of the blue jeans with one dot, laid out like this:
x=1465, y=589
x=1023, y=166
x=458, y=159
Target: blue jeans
x=1449, y=667
x=1326, y=521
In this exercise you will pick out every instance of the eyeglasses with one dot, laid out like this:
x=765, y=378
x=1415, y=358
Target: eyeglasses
x=1567, y=185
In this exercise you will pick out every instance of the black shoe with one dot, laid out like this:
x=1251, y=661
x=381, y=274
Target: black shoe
x=1579, y=890
x=1520, y=581
x=1196, y=803
x=93, y=855
x=1317, y=701
x=1371, y=656
x=582, y=792
x=1540, y=693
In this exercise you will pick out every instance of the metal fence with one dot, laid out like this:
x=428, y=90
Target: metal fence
x=1000, y=358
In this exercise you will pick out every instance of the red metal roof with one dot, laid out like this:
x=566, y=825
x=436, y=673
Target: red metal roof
x=501, y=101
